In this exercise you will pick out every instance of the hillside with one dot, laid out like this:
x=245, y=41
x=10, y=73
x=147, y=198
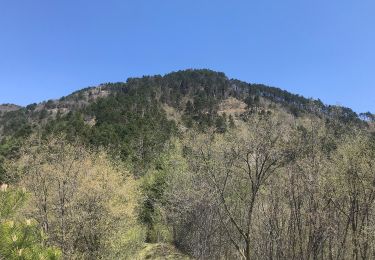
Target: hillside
x=191, y=164
x=154, y=106
x=198, y=92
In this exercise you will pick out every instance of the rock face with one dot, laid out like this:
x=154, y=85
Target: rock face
x=8, y=107
x=232, y=106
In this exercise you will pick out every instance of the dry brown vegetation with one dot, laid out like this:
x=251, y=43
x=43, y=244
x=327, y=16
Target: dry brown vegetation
x=275, y=190
x=232, y=106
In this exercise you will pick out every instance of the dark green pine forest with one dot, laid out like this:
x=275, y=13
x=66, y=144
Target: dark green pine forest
x=189, y=165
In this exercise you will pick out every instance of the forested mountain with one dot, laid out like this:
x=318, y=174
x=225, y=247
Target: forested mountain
x=206, y=166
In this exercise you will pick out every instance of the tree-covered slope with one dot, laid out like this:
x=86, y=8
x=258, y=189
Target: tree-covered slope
x=131, y=116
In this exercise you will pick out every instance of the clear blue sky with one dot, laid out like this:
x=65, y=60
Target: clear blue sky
x=318, y=48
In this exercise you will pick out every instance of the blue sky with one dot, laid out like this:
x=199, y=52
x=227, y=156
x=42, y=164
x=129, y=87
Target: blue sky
x=317, y=48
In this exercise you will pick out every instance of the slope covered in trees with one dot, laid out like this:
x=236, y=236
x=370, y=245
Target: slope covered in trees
x=190, y=164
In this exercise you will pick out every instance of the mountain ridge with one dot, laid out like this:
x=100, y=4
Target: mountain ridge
x=276, y=94
x=194, y=98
